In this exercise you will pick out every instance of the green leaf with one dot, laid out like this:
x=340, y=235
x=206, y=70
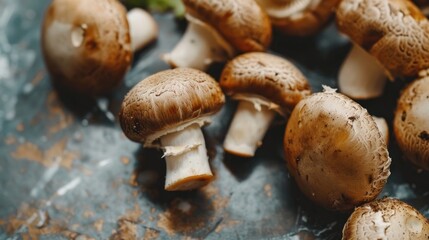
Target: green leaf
x=159, y=5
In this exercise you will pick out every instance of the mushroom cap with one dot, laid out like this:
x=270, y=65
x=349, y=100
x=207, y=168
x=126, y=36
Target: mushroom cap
x=167, y=100
x=411, y=125
x=387, y=218
x=335, y=152
x=268, y=76
x=242, y=23
x=395, y=32
x=86, y=44
x=308, y=21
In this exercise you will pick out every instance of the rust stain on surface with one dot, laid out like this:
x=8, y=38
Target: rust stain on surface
x=125, y=160
x=127, y=225
x=150, y=234
x=9, y=140
x=20, y=127
x=56, y=111
x=268, y=190
x=38, y=77
x=98, y=225
x=47, y=158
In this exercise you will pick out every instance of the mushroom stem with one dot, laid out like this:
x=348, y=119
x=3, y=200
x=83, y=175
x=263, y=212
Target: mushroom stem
x=247, y=129
x=143, y=28
x=188, y=168
x=361, y=76
x=199, y=47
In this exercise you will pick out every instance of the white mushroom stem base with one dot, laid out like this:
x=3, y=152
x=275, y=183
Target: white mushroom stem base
x=188, y=167
x=247, y=129
x=143, y=28
x=361, y=76
x=199, y=47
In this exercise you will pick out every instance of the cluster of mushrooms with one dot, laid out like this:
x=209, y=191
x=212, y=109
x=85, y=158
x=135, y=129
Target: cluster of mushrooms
x=334, y=149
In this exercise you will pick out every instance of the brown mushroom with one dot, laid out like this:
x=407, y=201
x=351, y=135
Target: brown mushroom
x=217, y=30
x=387, y=218
x=393, y=32
x=87, y=46
x=383, y=128
x=166, y=110
x=264, y=84
x=335, y=152
x=299, y=17
x=411, y=125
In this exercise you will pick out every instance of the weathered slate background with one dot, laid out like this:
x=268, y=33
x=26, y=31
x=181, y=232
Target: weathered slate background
x=67, y=171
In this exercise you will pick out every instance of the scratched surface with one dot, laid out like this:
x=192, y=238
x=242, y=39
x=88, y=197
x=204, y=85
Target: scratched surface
x=67, y=171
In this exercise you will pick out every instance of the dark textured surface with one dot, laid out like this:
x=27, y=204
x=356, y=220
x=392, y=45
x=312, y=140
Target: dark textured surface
x=66, y=169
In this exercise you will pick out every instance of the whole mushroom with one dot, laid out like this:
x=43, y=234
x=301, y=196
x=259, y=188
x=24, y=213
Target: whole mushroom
x=335, y=152
x=389, y=38
x=218, y=30
x=387, y=218
x=87, y=45
x=265, y=85
x=299, y=17
x=167, y=110
x=411, y=125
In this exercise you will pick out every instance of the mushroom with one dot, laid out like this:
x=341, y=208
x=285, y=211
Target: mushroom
x=387, y=218
x=335, y=152
x=299, y=17
x=217, y=30
x=264, y=84
x=389, y=39
x=411, y=125
x=167, y=110
x=87, y=46
x=383, y=128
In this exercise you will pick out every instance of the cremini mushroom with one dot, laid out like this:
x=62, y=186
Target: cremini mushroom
x=167, y=110
x=335, y=152
x=264, y=84
x=87, y=45
x=382, y=127
x=389, y=39
x=299, y=17
x=387, y=218
x=218, y=30
x=411, y=125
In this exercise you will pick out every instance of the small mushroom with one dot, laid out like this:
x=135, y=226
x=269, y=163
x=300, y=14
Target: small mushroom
x=87, y=45
x=387, y=218
x=389, y=39
x=411, y=125
x=299, y=17
x=264, y=84
x=217, y=30
x=167, y=110
x=335, y=152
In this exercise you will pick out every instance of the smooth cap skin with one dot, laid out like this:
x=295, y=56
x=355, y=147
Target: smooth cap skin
x=166, y=100
x=310, y=20
x=387, y=218
x=335, y=152
x=395, y=32
x=242, y=23
x=86, y=44
x=268, y=76
x=411, y=124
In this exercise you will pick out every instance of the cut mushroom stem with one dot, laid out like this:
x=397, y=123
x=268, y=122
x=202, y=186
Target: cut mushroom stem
x=247, y=129
x=361, y=76
x=199, y=47
x=143, y=28
x=187, y=161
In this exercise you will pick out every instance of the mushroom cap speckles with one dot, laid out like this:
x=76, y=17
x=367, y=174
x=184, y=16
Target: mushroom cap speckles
x=242, y=23
x=86, y=44
x=168, y=99
x=335, y=151
x=411, y=125
x=387, y=218
x=394, y=32
x=266, y=75
x=307, y=22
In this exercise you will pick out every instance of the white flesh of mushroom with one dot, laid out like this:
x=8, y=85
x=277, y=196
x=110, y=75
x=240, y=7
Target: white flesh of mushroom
x=249, y=125
x=382, y=126
x=186, y=157
x=361, y=76
x=143, y=28
x=200, y=46
x=286, y=8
